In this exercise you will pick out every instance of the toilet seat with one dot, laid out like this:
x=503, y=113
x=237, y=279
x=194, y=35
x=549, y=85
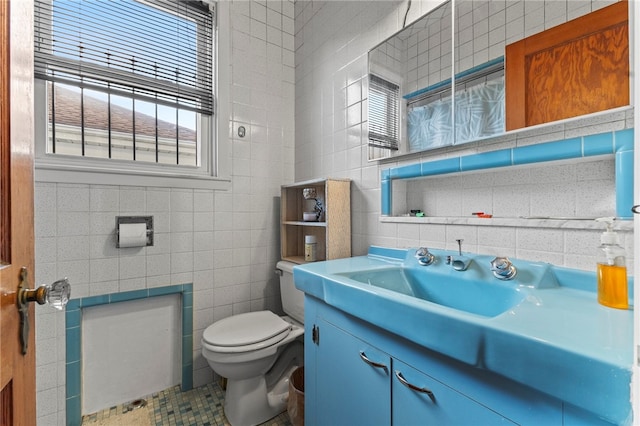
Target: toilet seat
x=246, y=332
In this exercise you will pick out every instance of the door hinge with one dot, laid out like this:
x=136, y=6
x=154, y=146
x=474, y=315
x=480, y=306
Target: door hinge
x=315, y=335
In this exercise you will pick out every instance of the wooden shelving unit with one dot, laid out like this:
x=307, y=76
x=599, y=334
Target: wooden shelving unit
x=333, y=231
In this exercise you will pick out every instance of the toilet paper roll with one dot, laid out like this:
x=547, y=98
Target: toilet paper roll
x=133, y=235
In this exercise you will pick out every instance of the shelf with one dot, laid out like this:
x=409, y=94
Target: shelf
x=302, y=223
x=297, y=259
x=516, y=222
x=332, y=233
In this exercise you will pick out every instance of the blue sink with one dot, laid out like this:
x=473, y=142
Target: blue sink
x=540, y=328
x=480, y=298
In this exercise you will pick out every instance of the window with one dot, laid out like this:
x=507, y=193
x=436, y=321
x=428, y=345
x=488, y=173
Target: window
x=383, y=115
x=126, y=84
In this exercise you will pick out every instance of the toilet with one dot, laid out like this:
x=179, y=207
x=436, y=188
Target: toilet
x=257, y=352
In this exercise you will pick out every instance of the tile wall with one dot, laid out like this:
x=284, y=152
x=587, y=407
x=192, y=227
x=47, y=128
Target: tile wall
x=332, y=41
x=226, y=243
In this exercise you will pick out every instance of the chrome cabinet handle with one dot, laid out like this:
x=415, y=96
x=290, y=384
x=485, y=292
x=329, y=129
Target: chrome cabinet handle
x=414, y=387
x=363, y=356
x=636, y=209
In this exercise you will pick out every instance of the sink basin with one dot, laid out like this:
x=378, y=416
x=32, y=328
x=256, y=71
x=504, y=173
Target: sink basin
x=543, y=321
x=476, y=297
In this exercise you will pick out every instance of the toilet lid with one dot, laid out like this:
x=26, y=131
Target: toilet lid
x=247, y=329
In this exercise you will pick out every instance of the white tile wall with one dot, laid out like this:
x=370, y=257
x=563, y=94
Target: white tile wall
x=226, y=243
x=319, y=145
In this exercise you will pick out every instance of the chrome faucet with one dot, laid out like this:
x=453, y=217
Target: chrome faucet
x=424, y=257
x=503, y=269
x=460, y=262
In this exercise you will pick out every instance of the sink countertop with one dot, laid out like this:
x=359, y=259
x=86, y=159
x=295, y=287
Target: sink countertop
x=558, y=339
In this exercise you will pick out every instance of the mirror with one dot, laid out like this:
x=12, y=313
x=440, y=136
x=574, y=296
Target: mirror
x=479, y=45
x=417, y=62
x=412, y=62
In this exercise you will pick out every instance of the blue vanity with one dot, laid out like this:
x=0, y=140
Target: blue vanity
x=390, y=340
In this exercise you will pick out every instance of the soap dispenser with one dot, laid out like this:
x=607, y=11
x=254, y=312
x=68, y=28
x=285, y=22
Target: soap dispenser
x=611, y=269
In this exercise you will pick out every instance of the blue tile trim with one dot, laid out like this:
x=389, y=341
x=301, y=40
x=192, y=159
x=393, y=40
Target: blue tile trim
x=620, y=143
x=385, y=192
x=624, y=184
x=441, y=167
x=73, y=341
x=129, y=295
x=551, y=151
x=74, y=411
x=487, y=160
x=623, y=140
x=598, y=144
x=406, y=172
x=86, y=302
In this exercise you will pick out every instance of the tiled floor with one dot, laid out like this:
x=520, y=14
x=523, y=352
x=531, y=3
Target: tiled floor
x=198, y=407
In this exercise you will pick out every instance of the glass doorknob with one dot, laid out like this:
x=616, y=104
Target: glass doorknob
x=56, y=294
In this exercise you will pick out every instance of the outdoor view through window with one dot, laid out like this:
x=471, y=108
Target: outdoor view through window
x=126, y=80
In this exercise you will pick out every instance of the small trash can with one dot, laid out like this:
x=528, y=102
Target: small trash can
x=295, y=404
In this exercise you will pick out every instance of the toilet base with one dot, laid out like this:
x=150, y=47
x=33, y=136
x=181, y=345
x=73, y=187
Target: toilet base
x=255, y=400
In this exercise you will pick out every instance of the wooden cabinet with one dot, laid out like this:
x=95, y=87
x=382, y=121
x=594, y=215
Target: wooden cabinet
x=332, y=230
x=577, y=68
x=355, y=371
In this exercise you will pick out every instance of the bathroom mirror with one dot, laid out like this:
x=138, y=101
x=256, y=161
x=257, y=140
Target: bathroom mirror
x=417, y=61
x=410, y=63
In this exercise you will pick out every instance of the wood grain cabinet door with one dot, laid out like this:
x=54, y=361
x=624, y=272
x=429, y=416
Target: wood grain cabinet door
x=576, y=68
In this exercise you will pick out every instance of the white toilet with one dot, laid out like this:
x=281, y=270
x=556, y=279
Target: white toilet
x=257, y=352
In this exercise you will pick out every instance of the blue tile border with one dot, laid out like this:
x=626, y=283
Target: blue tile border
x=73, y=343
x=618, y=143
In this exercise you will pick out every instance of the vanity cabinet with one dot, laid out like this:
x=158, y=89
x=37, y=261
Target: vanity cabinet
x=365, y=388
x=333, y=229
x=355, y=371
x=350, y=379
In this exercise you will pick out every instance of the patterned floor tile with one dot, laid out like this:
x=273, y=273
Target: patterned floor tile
x=201, y=406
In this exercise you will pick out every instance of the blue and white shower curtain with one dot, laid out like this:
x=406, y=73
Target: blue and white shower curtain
x=479, y=113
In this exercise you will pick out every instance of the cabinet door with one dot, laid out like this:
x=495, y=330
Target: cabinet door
x=422, y=400
x=349, y=390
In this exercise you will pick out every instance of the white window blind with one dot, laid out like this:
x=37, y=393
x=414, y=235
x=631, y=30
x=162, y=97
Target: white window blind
x=383, y=113
x=126, y=79
x=160, y=48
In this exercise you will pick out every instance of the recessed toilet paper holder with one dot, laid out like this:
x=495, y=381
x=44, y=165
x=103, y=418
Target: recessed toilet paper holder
x=147, y=220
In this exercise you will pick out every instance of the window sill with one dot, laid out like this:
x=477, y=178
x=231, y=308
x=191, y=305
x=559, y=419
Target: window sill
x=48, y=172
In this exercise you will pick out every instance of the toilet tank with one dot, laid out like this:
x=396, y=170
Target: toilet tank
x=292, y=298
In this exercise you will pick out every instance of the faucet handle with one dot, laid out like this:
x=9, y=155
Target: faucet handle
x=503, y=269
x=424, y=257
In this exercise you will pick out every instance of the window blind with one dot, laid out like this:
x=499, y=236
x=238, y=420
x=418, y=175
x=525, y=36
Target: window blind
x=155, y=50
x=383, y=113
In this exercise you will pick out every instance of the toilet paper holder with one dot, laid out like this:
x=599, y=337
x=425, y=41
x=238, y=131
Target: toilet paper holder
x=147, y=220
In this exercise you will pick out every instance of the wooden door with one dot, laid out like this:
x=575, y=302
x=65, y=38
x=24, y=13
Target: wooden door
x=17, y=371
